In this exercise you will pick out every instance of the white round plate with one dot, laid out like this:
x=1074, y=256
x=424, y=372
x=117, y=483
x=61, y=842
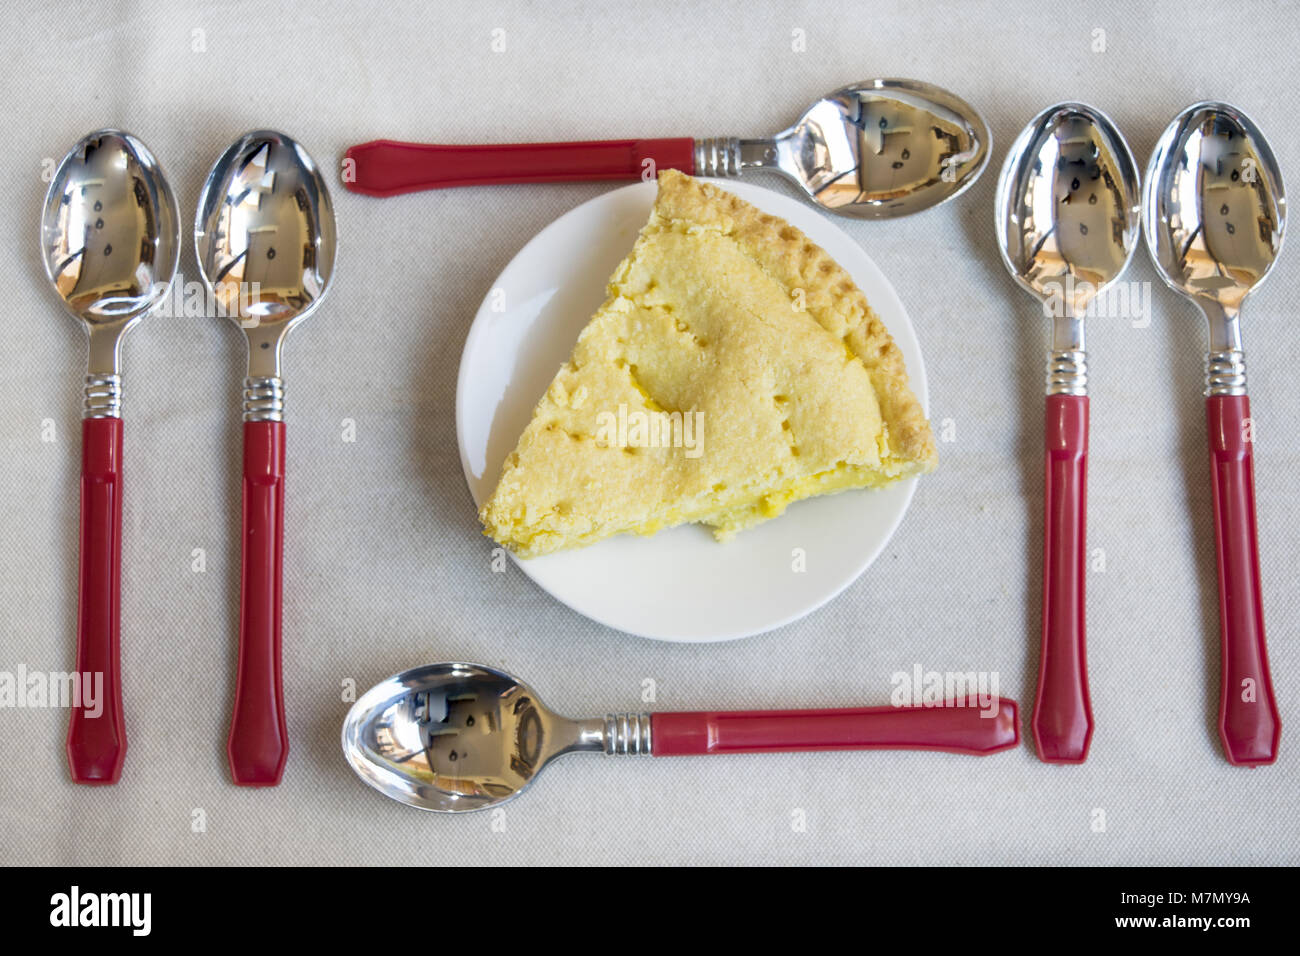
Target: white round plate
x=680, y=584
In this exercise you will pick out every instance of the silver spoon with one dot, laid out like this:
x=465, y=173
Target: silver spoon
x=874, y=150
x=110, y=238
x=1215, y=212
x=455, y=737
x=1067, y=224
x=265, y=240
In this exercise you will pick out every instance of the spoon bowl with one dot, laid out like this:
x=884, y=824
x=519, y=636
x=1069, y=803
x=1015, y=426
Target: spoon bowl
x=109, y=238
x=874, y=150
x=265, y=238
x=1068, y=207
x=456, y=736
x=1214, y=212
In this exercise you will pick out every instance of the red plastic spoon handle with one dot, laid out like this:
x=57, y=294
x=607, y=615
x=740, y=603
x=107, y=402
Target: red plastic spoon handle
x=961, y=730
x=259, y=742
x=383, y=167
x=96, y=732
x=1062, y=722
x=1248, y=716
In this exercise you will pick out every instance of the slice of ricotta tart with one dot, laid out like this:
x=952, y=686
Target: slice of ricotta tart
x=734, y=368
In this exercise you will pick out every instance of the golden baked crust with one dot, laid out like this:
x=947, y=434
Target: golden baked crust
x=728, y=327
x=832, y=297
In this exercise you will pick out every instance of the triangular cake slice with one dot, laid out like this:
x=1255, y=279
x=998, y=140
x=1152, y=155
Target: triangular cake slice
x=734, y=368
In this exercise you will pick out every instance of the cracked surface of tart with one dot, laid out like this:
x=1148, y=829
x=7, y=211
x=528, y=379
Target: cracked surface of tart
x=733, y=368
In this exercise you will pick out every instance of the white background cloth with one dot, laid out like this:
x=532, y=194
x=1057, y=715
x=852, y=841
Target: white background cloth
x=385, y=565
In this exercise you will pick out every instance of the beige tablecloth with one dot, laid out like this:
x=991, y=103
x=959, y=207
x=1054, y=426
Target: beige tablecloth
x=386, y=565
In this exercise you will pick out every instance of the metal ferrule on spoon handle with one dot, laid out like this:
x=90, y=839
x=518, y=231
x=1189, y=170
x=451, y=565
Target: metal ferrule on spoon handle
x=1249, y=725
x=1225, y=372
x=1067, y=372
x=264, y=399
x=727, y=156
x=102, y=396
